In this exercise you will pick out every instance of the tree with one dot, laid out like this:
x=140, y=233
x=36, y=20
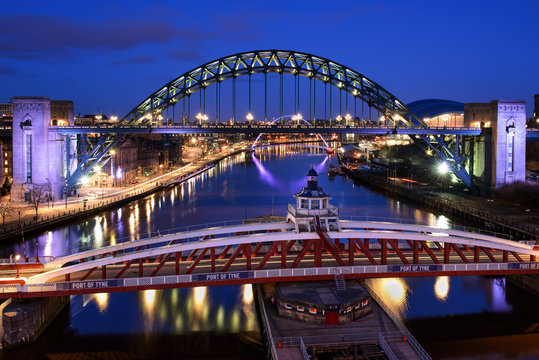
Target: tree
x=6, y=208
x=38, y=195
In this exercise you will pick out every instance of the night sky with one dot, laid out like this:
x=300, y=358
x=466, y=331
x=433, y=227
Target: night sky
x=111, y=55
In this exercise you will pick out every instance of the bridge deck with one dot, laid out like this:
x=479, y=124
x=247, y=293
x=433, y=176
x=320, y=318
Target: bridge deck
x=264, y=252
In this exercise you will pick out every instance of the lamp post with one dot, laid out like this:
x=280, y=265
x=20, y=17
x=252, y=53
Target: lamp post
x=37, y=251
x=17, y=257
x=249, y=117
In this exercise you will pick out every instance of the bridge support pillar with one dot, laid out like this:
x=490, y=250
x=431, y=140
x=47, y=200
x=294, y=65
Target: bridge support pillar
x=318, y=253
x=476, y=254
x=383, y=251
x=415, y=252
x=247, y=253
x=39, y=156
x=284, y=246
x=177, y=262
x=447, y=250
x=351, y=251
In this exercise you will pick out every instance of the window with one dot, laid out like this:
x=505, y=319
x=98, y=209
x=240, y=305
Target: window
x=28, y=158
x=301, y=308
x=5, y=170
x=324, y=203
x=304, y=204
x=5, y=162
x=315, y=204
x=511, y=151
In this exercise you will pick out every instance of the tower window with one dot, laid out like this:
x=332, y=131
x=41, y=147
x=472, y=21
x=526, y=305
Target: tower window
x=28, y=158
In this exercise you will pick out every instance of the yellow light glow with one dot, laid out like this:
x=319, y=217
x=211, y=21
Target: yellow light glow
x=199, y=295
x=247, y=293
x=394, y=289
x=441, y=287
x=149, y=299
x=102, y=300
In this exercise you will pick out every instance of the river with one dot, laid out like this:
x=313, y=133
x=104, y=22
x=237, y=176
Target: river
x=458, y=317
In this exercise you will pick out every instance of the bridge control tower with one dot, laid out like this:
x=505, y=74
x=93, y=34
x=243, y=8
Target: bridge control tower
x=312, y=209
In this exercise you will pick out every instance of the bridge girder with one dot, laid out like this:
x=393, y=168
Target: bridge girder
x=268, y=61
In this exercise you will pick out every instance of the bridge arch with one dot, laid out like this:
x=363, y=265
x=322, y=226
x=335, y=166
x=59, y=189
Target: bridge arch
x=282, y=62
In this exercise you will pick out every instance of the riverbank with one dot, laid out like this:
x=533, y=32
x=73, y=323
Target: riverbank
x=491, y=214
x=60, y=213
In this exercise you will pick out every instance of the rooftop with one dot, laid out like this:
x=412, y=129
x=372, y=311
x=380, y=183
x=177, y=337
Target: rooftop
x=429, y=108
x=321, y=292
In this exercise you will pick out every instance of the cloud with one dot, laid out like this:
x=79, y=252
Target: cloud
x=30, y=35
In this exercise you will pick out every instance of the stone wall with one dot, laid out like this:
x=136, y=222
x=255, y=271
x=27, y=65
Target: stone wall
x=38, y=156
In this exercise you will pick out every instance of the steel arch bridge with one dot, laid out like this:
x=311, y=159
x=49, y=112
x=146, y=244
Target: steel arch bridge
x=264, y=62
x=269, y=252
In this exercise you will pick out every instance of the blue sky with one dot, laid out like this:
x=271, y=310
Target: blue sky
x=111, y=55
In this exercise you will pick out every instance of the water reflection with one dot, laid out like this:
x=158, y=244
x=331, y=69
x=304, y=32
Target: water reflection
x=393, y=292
x=102, y=300
x=441, y=287
x=199, y=295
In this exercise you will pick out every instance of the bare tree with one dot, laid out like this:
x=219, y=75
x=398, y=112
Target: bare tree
x=38, y=194
x=6, y=208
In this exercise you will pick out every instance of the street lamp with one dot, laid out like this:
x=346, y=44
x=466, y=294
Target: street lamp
x=201, y=117
x=65, y=194
x=347, y=118
x=297, y=118
x=17, y=257
x=249, y=117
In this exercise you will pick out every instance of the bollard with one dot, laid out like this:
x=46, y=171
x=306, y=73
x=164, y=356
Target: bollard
x=403, y=338
x=279, y=345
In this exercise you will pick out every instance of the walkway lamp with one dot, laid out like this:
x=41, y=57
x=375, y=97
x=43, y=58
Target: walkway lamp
x=201, y=117
x=338, y=118
x=347, y=118
x=249, y=117
x=17, y=257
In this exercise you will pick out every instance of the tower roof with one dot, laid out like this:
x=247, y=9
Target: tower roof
x=312, y=189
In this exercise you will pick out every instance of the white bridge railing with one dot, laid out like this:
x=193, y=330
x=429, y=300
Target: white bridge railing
x=246, y=275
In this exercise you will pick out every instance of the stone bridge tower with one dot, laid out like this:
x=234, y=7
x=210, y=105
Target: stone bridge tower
x=38, y=155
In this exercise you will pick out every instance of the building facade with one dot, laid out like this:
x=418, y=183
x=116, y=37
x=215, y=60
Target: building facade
x=39, y=157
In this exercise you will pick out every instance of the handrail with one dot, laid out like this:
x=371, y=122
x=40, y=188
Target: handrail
x=397, y=320
x=273, y=351
x=385, y=346
x=303, y=350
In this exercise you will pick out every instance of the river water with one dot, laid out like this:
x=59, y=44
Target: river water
x=454, y=318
